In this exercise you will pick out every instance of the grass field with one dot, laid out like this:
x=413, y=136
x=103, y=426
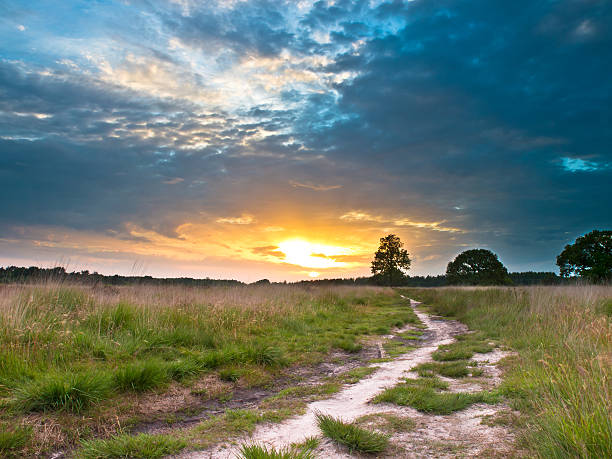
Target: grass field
x=81, y=366
x=78, y=364
x=561, y=376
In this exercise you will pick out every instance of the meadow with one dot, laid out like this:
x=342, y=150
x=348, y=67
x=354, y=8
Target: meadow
x=79, y=363
x=560, y=377
x=83, y=368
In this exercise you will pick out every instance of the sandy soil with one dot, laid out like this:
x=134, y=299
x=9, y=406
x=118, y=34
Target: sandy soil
x=456, y=435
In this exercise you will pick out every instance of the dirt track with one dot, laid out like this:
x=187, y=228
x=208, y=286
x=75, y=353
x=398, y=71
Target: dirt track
x=434, y=436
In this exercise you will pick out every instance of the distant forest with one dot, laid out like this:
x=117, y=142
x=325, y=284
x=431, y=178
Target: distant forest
x=33, y=274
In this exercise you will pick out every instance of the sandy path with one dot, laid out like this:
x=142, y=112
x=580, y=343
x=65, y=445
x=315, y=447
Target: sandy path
x=350, y=403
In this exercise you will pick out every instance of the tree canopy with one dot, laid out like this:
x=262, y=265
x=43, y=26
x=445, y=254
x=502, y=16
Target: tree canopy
x=477, y=267
x=590, y=256
x=390, y=261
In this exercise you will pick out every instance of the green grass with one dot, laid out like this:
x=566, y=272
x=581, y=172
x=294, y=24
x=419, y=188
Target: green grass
x=235, y=423
x=560, y=379
x=454, y=369
x=73, y=352
x=141, y=376
x=355, y=375
x=264, y=452
x=73, y=392
x=348, y=345
x=309, y=443
x=387, y=422
x=310, y=392
x=424, y=395
x=128, y=446
x=395, y=348
x=13, y=439
x=355, y=438
x=230, y=374
x=464, y=348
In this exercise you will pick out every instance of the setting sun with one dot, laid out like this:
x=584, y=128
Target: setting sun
x=312, y=255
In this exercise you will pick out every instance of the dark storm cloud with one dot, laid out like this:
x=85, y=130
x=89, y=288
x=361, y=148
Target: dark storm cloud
x=475, y=103
x=449, y=111
x=68, y=165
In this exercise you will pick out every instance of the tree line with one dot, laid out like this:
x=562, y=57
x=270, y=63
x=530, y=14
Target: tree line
x=34, y=274
x=589, y=259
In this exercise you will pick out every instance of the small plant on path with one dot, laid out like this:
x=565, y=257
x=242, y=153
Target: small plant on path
x=352, y=436
x=124, y=445
x=422, y=394
x=263, y=452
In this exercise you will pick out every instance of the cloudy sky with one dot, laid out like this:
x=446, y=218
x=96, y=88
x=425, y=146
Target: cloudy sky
x=281, y=139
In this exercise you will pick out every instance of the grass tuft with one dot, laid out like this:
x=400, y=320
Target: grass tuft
x=422, y=394
x=464, y=348
x=230, y=374
x=453, y=369
x=73, y=392
x=266, y=355
x=128, y=446
x=352, y=436
x=264, y=452
x=13, y=439
x=348, y=345
x=141, y=376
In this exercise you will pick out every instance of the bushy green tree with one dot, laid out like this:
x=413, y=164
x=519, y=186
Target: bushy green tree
x=590, y=256
x=390, y=261
x=477, y=267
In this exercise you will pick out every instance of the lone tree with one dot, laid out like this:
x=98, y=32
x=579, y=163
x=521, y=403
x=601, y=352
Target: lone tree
x=390, y=261
x=590, y=257
x=477, y=267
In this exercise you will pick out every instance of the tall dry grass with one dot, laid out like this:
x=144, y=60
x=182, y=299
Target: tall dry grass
x=65, y=349
x=561, y=378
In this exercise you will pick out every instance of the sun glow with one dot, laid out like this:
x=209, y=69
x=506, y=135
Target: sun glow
x=312, y=255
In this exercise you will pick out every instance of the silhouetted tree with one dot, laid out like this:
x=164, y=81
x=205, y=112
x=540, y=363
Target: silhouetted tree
x=590, y=257
x=390, y=261
x=262, y=282
x=477, y=267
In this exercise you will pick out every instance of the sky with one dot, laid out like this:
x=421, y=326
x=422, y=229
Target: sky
x=251, y=139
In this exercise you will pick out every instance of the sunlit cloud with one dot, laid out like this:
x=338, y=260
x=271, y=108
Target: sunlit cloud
x=313, y=186
x=357, y=216
x=308, y=254
x=242, y=220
